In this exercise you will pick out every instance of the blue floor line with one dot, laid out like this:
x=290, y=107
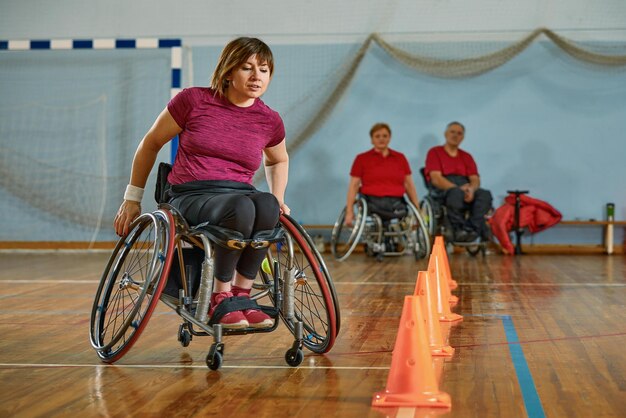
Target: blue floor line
x=525, y=379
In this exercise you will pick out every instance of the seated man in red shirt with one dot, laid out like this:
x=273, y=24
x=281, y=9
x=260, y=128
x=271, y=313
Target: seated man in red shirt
x=454, y=178
x=382, y=175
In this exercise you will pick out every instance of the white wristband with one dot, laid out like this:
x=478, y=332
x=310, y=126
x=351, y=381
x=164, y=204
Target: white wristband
x=133, y=193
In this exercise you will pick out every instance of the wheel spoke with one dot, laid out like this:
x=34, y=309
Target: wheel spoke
x=139, y=264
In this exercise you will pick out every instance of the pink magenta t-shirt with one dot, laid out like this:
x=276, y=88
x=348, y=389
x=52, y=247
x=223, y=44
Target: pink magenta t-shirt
x=219, y=140
x=381, y=176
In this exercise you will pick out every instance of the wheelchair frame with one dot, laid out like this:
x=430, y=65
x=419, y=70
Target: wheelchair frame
x=295, y=280
x=410, y=235
x=438, y=224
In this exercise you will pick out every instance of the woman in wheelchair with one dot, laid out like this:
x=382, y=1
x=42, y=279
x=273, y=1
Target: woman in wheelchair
x=382, y=176
x=224, y=131
x=385, y=213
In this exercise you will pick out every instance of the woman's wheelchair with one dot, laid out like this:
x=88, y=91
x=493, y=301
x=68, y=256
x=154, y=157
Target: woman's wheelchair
x=407, y=234
x=163, y=258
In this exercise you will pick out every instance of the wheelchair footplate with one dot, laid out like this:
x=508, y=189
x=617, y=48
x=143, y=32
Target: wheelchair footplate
x=193, y=327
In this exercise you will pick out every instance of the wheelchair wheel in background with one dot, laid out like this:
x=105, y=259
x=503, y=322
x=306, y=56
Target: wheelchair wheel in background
x=315, y=298
x=419, y=233
x=344, y=239
x=486, y=238
x=473, y=250
x=476, y=248
x=131, y=284
x=429, y=216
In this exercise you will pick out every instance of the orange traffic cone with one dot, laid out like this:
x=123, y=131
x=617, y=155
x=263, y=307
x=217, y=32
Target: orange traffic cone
x=411, y=412
x=440, y=243
x=425, y=290
x=446, y=327
x=438, y=363
x=411, y=380
x=445, y=271
x=444, y=255
x=443, y=293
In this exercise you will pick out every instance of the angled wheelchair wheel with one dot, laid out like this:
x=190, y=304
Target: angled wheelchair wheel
x=420, y=236
x=344, y=238
x=315, y=298
x=430, y=216
x=131, y=285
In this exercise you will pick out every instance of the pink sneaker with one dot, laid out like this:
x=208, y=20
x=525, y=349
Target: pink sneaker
x=232, y=320
x=255, y=317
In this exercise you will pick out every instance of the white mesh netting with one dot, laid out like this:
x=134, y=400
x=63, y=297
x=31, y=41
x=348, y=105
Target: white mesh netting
x=69, y=124
x=70, y=121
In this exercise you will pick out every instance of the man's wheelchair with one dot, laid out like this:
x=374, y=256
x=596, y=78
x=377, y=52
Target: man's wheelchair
x=407, y=234
x=437, y=222
x=163, y=258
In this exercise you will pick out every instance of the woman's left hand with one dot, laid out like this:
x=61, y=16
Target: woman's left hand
x=284, y=209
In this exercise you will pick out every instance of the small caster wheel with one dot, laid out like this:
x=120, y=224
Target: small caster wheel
x=294, y=357
x=184, y=336
x=214, y=361
x=379, y=257
x=473, y=250
x=215, y=356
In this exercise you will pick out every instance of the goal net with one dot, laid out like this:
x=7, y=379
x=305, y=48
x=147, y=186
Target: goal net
x=70, y=122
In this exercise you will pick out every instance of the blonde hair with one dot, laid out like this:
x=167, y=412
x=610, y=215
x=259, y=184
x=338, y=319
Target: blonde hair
x=236, y=53
x=378, y=126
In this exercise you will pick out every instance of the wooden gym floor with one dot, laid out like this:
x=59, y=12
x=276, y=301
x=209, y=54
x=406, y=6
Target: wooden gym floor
x=542, y=335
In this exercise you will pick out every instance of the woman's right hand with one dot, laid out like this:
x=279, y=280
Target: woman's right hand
x=348, y=219
x=127, y=213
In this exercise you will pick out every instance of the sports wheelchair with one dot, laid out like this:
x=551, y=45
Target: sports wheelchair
x=398, y=236
x=437, y=222
x=163, y=258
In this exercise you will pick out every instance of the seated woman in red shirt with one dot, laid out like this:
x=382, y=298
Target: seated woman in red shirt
x=224, y=132
x=382, y=176
x=454, y=176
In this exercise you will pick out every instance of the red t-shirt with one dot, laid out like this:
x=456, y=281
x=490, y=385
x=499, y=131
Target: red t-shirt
x=438, y=159
x=219, y=140
x=381, y=176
